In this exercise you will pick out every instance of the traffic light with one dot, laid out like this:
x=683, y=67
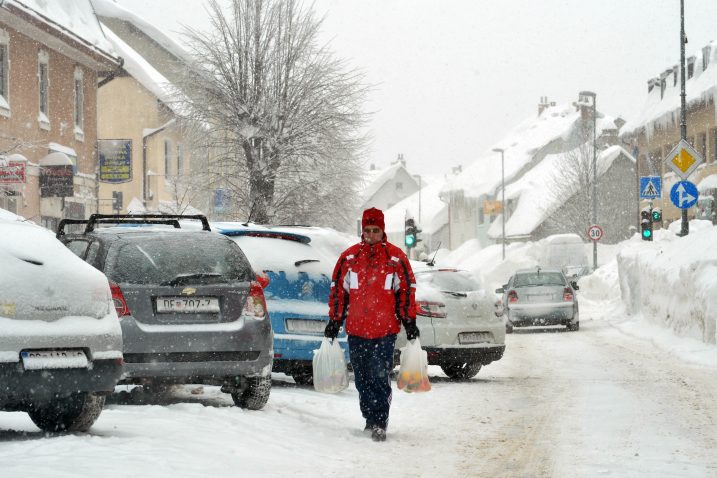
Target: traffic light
x=117, y=201
x=657, y=215
x=646, y=223
x=410, y=233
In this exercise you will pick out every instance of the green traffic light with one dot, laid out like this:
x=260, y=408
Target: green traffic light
x=656, y=216
x=646, y=233
x=410, y=240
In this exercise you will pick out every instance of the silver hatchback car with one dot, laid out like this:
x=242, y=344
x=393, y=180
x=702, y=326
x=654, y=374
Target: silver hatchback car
x=537, y=296
x=60, y=340
x=191, y=308
x=459, y=329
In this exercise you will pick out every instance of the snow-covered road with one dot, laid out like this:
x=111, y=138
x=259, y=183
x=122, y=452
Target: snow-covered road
x=559, y=404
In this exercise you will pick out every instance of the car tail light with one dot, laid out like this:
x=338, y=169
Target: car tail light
x=430, y=309
x=512, y=296
x=263, y=279
x=118, y=300
x=567, y=294
x=255, y=303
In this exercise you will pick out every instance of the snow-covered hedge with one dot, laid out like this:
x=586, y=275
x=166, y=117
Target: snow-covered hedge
x=672, y=282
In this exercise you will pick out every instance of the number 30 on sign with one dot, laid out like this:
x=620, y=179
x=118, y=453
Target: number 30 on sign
x=595, y=233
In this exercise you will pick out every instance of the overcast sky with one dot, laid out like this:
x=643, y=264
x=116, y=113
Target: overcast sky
x=453, y=76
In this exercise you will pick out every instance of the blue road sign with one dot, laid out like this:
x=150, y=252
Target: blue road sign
x=650, y=187
x=684, y=194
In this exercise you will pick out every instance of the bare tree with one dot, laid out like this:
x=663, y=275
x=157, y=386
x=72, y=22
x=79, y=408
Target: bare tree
x=282, y=116
x=571, y=192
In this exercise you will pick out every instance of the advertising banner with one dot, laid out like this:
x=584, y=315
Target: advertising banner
x=13, y=172
x=56, y=181
x=115, y=160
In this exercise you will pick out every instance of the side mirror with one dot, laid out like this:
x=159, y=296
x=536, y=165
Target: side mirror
x=262, y=279
x=500, y=290
x=575, y=285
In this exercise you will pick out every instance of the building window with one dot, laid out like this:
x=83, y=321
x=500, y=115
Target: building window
x=167, y=157
x=399, y=186
x=180, y=160
x=705, y=57
x=79, y=104
x=702, y=144
x=43, y=79
x=714, y=146
x=4, y=73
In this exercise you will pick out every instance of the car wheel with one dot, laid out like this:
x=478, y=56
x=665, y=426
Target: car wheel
x=461, y=371
x=508, y=328
x=255, y=395
x=76, y=413
x=574, y=327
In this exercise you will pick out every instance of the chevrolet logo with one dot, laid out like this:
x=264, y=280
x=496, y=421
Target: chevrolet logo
x=189, y=291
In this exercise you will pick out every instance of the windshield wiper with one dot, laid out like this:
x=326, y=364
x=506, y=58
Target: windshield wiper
x=455, y=294
x=184, y=278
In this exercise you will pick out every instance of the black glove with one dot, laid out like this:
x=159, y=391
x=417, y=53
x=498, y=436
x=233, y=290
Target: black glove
x=412, y=331
x=332, y=329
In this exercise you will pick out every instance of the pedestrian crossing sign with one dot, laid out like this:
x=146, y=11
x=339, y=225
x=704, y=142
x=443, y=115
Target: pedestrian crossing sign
x=650, y=187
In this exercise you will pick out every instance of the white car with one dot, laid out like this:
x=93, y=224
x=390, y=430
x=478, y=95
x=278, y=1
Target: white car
x=60, y=339
x=459, y=328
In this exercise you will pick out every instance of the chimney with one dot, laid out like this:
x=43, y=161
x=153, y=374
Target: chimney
x=401, y=160
x=543, y=104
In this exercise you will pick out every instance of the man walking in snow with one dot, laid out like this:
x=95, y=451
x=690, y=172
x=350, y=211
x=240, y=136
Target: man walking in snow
x=373, y=290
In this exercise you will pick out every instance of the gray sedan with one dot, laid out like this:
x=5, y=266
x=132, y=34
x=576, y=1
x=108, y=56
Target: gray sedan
x=534, y=297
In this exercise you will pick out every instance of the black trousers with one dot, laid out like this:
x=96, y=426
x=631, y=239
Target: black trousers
x=372, y=362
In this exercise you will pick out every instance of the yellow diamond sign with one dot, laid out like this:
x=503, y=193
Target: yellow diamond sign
x=683, y=159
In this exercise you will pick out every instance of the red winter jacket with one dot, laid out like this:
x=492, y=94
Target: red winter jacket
x=372, y=288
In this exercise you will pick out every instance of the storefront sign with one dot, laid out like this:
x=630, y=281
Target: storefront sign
x=56, y=181
x=115, y=160
x=13, y=172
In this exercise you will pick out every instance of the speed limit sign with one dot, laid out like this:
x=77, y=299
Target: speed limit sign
x=595, y=232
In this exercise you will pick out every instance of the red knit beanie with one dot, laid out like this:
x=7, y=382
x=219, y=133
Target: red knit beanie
x=373, y=217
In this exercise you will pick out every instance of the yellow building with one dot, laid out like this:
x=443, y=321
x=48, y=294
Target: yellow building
x=656, y=130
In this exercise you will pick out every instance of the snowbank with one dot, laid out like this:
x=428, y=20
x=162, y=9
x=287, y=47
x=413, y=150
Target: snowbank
x=672, y=282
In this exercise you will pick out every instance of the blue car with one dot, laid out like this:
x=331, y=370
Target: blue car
x=299, y=273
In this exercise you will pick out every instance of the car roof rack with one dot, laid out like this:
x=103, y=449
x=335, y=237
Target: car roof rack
x=166, y=219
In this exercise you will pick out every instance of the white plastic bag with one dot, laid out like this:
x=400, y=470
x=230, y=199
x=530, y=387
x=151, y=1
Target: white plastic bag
x=329, y=364
x=413, y=374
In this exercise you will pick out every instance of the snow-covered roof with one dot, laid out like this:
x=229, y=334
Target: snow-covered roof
x=374, y=179
x=536, y=199
x=665, y=109
x=146, y=74
x=520, y=145
x=74, y=18
x=710, y=182
x=107, y=8
x=434, y=212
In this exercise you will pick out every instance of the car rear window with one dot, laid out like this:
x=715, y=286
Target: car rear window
x=174, y=259
x=451, y=281
x=539, y=278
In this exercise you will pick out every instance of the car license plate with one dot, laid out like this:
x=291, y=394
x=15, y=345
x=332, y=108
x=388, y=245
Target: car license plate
x=187, y=304
x=540, y=297
x=306, y=326
x=474, y=337
x=47, y=359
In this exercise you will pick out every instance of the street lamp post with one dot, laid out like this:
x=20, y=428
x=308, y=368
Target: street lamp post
x=502, y=191
x=592, y=95
x=420, y=187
